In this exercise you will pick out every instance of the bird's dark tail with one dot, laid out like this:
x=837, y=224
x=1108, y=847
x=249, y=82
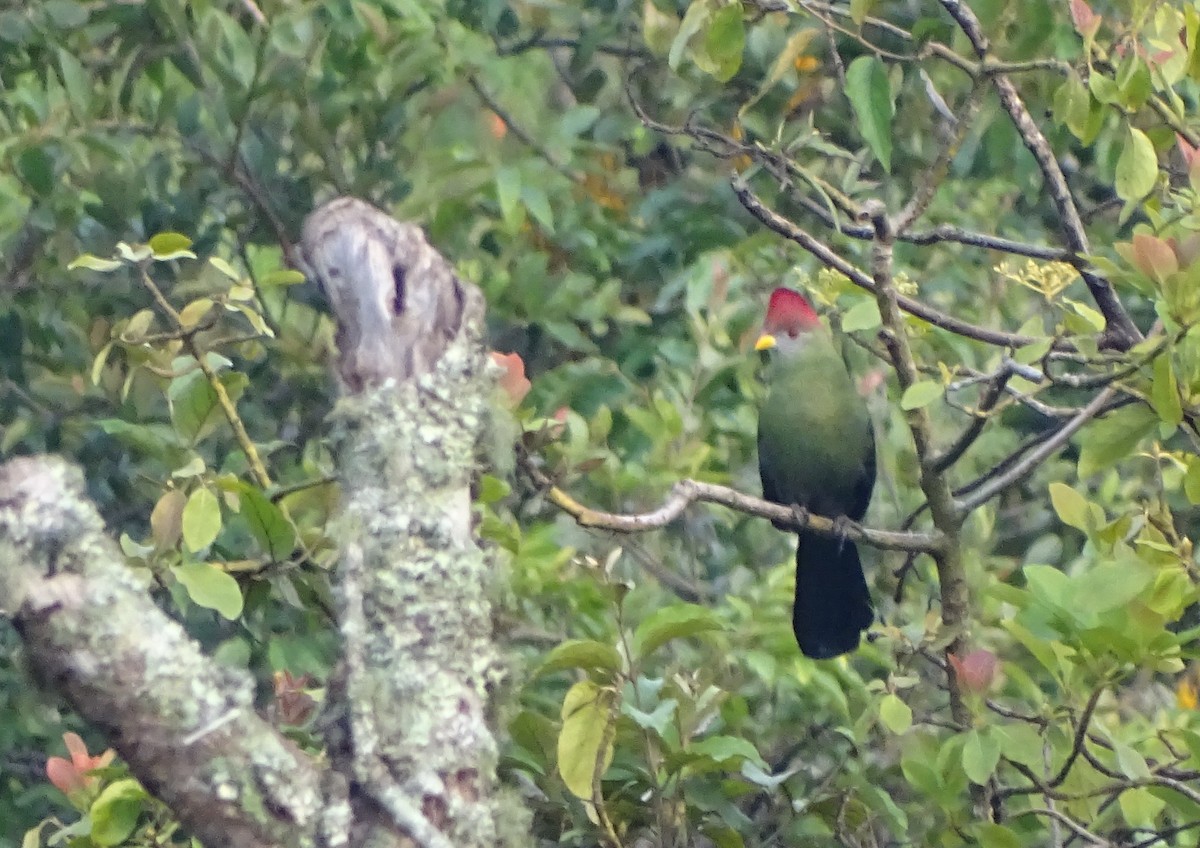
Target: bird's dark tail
x=832, y=605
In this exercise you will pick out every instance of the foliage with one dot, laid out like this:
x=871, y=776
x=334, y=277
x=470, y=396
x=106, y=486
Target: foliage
x=603, y=170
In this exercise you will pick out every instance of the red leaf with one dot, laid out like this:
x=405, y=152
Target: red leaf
x=976, y=671
x=63, y=775
x=513, y=381
x=1185, y=149
x=1086, y=21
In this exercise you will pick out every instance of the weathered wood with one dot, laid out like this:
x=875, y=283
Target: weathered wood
x=398, y=302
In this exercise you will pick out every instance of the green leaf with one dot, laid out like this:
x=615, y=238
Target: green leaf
x=211, y=588
x=672, y=622
x=585, y=747
x=859, y=10
x=115, y=812
x=724, y=42
x=1109, y=440
x=1137, y=167
x=727, y=750
x=281, y=277
x=1140, y=807
x=863, y=315
x=36, y=168
x=1021, y=743
x=1072, y=508
x=508, y=193
x=1130, y=762
x=1111, y=583
x=581, y=653
x=870, y=96
x=1191, y=481
x=921, y=394
x=195, y=410
x=75, y=81
x=657, y=720
x=201, y=520
x=980, y=754
x=1164, y=391
x=165, y=246
x=1047, y=584
x=538, y=205
x=94, y=263
x=992, y=835
x=275, y=534
x=895, y=714
x=694, y=20
x=225, y=268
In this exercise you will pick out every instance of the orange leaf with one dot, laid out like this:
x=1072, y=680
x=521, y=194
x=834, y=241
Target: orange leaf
x=1154, y=257
x=513, y=381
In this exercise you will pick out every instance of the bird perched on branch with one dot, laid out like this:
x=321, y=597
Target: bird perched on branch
x=816, y=452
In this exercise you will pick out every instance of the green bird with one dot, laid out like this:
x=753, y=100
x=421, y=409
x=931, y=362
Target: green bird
x=816, y=451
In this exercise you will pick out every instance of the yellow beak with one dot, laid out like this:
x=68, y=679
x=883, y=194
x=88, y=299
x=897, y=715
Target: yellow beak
x=765, y=342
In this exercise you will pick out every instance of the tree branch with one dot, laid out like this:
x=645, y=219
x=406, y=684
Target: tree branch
x=827, y=257
x=1120, y=331
x=1036, y=457
x=687, y=492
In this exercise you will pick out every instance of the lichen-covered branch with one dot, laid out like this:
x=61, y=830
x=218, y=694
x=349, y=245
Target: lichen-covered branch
x=408, y=712
x=185, y=725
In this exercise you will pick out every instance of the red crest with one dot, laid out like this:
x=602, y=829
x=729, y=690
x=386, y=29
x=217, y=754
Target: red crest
x=788, y=311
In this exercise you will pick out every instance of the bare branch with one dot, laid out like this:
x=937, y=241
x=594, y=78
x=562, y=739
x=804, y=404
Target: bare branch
x=687, y=492
x=1036, y=457
x=1120, y=330
x=830, y=259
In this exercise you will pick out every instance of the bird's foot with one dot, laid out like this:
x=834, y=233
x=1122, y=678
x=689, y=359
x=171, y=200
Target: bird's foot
x=841, y=526
x=800, y=513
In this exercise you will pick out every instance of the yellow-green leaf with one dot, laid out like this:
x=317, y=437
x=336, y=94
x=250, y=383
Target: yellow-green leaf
x=115, y=812
x=585, y=745
x=1072, y=508
x=166, y=246
x=211, y=588
x=981, y=753
x=863, y=315
x=582, y=653
x=194, y=312
x=94, y=263
x=1137, y=167
x=895, y=714
x=1114, y=437
x=672, y=622
x=921, y=394
x=1164, y=391
x=201, y=520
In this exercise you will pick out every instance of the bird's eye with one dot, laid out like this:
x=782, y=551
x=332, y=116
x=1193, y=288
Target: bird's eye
x=792, y=332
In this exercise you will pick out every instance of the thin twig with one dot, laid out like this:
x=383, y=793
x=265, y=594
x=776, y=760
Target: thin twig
x=1037, y=456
